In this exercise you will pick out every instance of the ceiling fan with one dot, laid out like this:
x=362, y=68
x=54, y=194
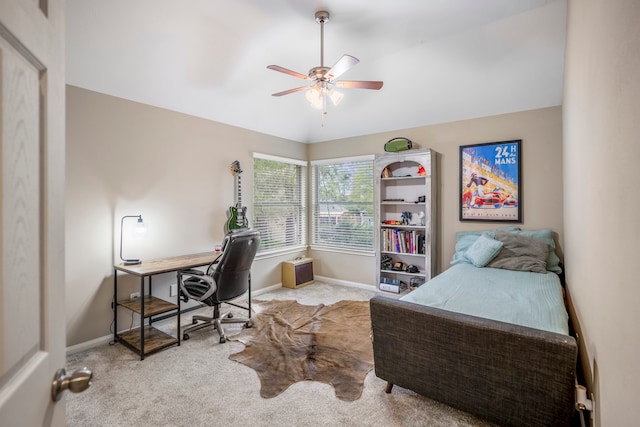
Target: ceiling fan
x=324, y=78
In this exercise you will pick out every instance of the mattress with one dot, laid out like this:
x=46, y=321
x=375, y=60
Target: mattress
x=523, y=298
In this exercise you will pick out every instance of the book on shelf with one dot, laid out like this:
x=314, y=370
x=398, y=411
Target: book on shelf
x=403, y=241
x=390, y=285
x=390, y=288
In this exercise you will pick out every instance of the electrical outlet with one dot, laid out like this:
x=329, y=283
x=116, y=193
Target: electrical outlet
x=134, y=296
x=173, y=290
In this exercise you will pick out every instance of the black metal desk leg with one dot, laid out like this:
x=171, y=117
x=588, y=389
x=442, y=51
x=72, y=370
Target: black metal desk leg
x=178, y=297
x=150, y=292
x=142, y=318
x=114, y=307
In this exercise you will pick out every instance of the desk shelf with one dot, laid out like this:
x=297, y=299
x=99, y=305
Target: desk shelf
x=152, y=306
x=154, y=339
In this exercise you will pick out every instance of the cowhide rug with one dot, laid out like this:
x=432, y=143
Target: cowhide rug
x=290, y=342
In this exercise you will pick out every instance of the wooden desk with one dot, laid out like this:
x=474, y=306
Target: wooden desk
x=147, y=339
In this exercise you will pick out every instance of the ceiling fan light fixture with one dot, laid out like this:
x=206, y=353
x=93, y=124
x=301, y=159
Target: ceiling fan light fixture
x=335, y=96
x=314, y=97
x=317, y=97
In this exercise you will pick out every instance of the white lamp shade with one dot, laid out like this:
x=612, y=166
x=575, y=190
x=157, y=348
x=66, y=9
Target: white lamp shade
x=335, y=96
x=141, y=226
x=314, y=96
x=317, y=97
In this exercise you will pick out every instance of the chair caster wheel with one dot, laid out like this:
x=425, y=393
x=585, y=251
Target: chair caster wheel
x=194, y=322
x=248, y=325
x=185, y=337
x=223, y=340
x=230, y=316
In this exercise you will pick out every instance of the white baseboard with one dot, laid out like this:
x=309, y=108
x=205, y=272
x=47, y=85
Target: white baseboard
x=265, y=290
x=89, y=344
x=333, y=281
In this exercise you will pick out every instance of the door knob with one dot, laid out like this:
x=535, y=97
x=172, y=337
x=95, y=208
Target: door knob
x=77, y=382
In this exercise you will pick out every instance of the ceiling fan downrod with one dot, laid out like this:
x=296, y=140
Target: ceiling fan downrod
x=322, y=16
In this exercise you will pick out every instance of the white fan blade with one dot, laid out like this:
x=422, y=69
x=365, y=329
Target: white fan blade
x=287, y=92
x=349, y=84
x=287, y=71
x=343, y=64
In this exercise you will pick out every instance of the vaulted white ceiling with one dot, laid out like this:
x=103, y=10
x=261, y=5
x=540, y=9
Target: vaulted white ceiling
x=440, y=60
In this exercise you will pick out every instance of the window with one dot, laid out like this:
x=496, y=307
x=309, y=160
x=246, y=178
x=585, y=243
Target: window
x=279, y=202
x=342, y=202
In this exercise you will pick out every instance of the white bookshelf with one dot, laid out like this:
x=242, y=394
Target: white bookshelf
x=405, y=215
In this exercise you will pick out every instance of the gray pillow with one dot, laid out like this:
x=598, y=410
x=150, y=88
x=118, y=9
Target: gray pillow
x=520, y=253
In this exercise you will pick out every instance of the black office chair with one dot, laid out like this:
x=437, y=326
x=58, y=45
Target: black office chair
x=226, y=278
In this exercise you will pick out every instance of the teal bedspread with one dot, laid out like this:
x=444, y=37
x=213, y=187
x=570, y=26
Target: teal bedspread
x=523, y=298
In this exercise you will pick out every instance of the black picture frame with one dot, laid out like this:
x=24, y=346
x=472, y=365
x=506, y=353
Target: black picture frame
x=494, y=193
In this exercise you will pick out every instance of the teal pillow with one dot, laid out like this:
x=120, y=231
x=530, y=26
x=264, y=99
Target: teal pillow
x=464, y=240
x=483, y=250
x=463, y=243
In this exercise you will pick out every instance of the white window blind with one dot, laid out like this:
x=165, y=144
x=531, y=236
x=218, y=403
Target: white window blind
x=279, y=202
x=342, y=203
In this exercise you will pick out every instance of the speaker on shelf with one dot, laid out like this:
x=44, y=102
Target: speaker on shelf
x=297, y=273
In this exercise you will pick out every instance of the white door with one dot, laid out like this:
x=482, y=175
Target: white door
x=32, y=141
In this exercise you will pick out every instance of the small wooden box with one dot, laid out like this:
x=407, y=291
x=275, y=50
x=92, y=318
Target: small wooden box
x=297, y=273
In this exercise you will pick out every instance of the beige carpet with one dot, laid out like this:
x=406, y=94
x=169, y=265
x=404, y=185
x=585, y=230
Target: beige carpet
x=197, y=385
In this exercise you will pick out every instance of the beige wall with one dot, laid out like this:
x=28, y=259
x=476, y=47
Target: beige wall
x=602, y=230
x=125, y=158
x=541, y=134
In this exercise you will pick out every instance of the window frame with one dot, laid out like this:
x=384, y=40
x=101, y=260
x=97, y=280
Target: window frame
x=302, y=177
x=313, y=217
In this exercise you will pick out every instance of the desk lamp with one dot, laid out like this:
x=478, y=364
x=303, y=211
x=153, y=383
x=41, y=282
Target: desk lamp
x=140, y=228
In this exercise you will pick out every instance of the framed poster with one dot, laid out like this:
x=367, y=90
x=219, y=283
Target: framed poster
x=490, y=175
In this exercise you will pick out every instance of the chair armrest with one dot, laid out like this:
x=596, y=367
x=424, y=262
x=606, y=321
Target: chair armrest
x=192, y=271
x=184, y=275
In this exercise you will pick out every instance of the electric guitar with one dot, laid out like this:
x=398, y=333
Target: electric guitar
x=238, y=213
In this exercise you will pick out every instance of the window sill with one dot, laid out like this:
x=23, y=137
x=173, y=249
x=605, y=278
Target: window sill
x=279, y=252
x=343, y=251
